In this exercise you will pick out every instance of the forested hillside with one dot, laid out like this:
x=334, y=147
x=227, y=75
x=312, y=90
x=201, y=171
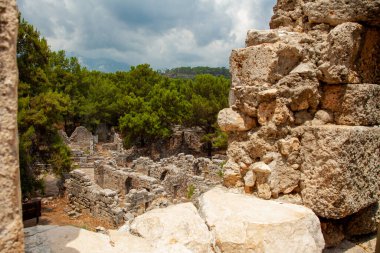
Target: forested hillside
x=191, y=72
x=56, y=92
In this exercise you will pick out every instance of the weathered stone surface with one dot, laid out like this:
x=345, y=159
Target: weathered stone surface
x=83, y=193
x=344, y=42
x=287, y=146
x=310, y=83
x=249, y=179
x=231, y=173
x=11, y=236
x=353, y=104
x=339, y=177
x=333, y=232
x=335, y=12
x=230, y=120
x=275, y=111
x=82, y=138
x=284, y=178
x=263, y=64
x=242, y=223
x=369, y=62
x=365, y=221
x=178, y=224
x=257, y=37
x=300, y=88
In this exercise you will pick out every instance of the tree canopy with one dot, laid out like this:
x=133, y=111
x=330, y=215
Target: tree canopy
x=56, y=92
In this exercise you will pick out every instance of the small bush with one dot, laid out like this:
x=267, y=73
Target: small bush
x=190, y=191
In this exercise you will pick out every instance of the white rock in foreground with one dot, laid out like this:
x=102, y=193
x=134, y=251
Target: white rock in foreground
x=242, y=223
x=178, y=225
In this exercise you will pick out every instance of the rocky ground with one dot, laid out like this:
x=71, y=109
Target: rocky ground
x=223, y=221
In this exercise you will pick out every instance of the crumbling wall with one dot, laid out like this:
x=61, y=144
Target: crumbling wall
x=84, y=194
x=108, y=175
x=117, y=193
x=11, y=234
x=81, y=139
x=304, y=110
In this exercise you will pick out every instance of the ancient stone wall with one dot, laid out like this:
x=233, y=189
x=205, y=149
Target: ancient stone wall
x=84, y=194
x=11, y=234
x=304, y=110
x=140, y=187
x=81, y=139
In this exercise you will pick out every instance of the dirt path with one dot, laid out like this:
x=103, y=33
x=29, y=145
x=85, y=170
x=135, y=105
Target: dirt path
x=54, y=212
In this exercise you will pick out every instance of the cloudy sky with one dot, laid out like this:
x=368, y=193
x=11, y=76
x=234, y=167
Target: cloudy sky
x=112, y=35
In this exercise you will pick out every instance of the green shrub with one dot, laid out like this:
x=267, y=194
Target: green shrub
x=190, y=191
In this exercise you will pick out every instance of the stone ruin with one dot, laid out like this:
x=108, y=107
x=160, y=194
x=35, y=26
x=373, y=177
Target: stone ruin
x=304, y=122
x=108, y=186
x=304, y=112
x=182, y=140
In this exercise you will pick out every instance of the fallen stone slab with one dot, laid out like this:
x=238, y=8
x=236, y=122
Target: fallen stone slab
x=243, y=223
x=179, y=226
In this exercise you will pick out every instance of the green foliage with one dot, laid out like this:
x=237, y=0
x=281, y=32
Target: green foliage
x=220, y=173
x=190, y=73
x=190, y=191
x=41, y=108
x=220, y=140
x=55, y=92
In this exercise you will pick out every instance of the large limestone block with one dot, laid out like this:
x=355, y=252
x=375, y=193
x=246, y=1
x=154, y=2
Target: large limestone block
x=263, y=64
x=353, y=104
x=340, y=168
x=230, y=121
x=287, y=14
x=344, y=43
x=174, y=225
x=242, y=223
x=335, y=12
x=257, y=37
x=11, y=236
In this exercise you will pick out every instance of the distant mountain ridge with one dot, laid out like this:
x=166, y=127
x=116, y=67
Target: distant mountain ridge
x=191, y=72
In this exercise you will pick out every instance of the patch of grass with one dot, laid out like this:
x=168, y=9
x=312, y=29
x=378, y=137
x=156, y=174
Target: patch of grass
x=220, y=173
x=190, y=191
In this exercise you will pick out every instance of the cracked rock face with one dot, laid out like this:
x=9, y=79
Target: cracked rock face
x=178, y=224
x=243, y=223
x=311, y=84
x=225, y=222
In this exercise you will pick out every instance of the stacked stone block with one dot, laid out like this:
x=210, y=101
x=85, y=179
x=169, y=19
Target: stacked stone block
x=304, y=110
x=83, y=194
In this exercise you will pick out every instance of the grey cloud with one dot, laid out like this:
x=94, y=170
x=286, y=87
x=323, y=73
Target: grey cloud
x=164, y=33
